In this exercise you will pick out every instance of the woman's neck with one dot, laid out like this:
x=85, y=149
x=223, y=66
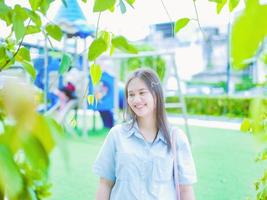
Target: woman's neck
x=148, y=128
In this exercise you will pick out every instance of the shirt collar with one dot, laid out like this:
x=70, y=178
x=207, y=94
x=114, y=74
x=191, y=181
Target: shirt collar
x=134, y=130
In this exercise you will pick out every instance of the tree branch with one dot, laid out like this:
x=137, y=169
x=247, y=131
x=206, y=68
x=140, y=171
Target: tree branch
x=14, y=55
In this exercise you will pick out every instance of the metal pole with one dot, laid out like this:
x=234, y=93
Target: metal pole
x=228, y=69
x=84, y=100
x=116, y=90
x=46, y=89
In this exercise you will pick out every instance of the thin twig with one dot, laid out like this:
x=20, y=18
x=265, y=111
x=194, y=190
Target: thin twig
x=197, y=19
x=97, y=25
x=97, y=28
x=50, y=42
x=14, y=55
x=169, y=16
x=166, y=10
x=87, y=86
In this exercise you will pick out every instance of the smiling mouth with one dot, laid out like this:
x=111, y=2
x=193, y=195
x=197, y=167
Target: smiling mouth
x=140, y=107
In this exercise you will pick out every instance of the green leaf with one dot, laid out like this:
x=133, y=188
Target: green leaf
x=4, y=9
x=232, y=4
x=122, y=7
x=84, y=1
x=45, y=4
x=43, y=132
x=102, y=5
x=6, y=13
x=10, y=178
x=3, y=56
x=2, y=52
x=262, y=156
x=112, y=50
x=10, y=44
x=54, y=31
x=23, y=54
x=121, y=43
x=29, y=68
x=10, y=138
x=19, y=15
x=220, y=6
x=112, y=9
x=43, y=191
x=246, y=125
x=65, y=63
x=257, y=111
x=97, y=47
x=95, y=73
x=55, y=54
x=21, y=12
x=35, y=4
x=180, y=23
x=216, y=1
x=105, y=36
x=54, y=127
x=90, y=99
x=18, y=26
x=247, y=34
x=35, y=153
x=35, y=18
x=64, y=3
x=130, y=2
x=32, y=29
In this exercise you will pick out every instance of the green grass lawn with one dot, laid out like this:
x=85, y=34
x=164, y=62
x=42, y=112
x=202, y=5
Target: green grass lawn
x=224, y=161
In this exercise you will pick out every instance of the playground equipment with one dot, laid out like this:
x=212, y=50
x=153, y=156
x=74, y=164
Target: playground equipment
x=74, y=26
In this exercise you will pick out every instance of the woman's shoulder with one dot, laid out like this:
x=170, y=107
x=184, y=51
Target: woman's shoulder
x=120, y=128
x=180, y=136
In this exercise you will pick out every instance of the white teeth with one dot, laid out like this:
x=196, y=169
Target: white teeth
x=138, y=107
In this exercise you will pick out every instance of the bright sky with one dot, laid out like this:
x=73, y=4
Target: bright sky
x=134, y=23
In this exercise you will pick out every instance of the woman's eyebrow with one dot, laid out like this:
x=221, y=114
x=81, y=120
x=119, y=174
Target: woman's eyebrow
x=137, y=90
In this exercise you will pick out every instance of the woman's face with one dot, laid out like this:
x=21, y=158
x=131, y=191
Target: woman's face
x=140, y=99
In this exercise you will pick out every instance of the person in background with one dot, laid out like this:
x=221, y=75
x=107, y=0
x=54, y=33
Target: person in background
x=65, y=94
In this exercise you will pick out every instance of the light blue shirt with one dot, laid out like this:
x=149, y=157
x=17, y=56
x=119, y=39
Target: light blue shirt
x=141, y=170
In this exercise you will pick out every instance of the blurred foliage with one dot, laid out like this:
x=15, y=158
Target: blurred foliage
x=256, y=124
x=248, y=33
x=157, y=63
x=232, y=107
x=220, y=84
x=26, y=139
x=245, y=84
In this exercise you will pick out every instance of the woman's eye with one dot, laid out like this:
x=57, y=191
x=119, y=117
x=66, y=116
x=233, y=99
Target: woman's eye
x=131, y=95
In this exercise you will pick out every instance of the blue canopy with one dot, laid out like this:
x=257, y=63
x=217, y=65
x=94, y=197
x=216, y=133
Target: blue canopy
x=72, y=21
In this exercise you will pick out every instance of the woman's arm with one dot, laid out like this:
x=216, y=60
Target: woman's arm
x=104, y=189
x=187, y=192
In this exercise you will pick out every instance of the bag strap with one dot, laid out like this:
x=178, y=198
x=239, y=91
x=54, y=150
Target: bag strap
x=175, y=163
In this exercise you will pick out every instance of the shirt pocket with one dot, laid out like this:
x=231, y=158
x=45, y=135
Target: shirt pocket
x=162, y=169
x=125, y=166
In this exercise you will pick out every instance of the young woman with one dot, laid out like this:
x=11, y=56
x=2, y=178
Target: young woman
x=136, y=159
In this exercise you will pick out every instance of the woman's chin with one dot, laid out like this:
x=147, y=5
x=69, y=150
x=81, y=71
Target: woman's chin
x=142, y=115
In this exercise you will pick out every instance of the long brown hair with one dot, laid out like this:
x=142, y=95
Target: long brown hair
x=152, y=81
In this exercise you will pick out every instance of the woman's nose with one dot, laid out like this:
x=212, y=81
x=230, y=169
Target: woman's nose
x=137, y=99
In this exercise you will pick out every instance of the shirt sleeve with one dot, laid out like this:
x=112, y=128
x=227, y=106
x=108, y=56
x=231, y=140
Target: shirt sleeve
x=104, y=165
x=186, y=165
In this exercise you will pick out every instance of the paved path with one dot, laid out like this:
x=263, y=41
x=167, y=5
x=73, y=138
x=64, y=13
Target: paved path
x=211, y=123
